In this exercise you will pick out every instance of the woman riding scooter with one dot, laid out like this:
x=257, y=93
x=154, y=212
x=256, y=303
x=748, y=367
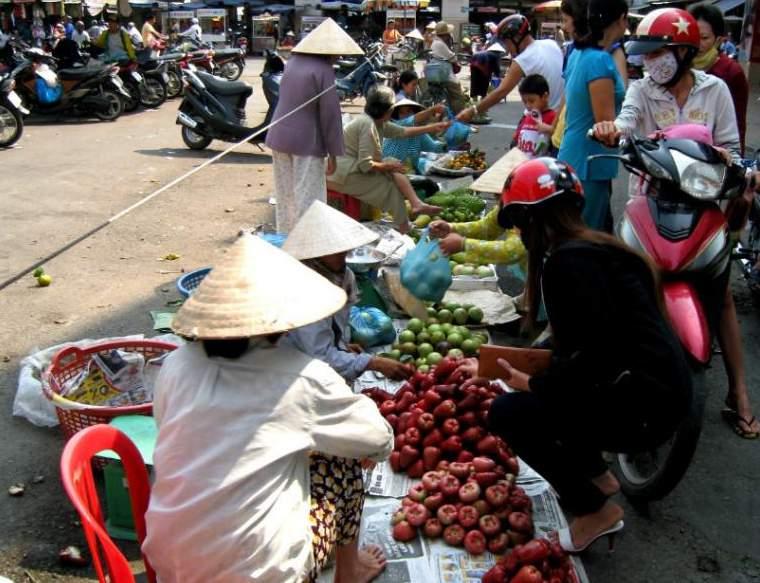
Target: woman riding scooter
x=674, y=93
x=611, y=362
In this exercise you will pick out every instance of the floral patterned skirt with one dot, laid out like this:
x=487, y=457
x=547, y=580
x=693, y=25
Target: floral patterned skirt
x=337, y=499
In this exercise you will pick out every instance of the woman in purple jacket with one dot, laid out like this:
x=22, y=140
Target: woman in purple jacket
x=301, y=140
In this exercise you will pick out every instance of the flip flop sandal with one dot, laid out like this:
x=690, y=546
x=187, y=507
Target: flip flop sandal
x=735, y=420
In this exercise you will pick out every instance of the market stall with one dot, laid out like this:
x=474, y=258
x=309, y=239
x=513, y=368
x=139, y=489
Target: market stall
x=213, y=23
x=264, y=33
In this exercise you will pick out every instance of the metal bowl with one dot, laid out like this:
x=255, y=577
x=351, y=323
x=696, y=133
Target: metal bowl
x=364, y=259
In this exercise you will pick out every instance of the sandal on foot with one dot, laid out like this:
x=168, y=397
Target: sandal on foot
x=735, y=421
x=566, y=540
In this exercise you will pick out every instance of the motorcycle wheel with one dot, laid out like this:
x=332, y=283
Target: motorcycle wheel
x=231, y=70
x=11, y=126
x=152, y=93
x=173, y=85
x=115, y=106
x=652, y=475
x=194, y=140
x=133, y=101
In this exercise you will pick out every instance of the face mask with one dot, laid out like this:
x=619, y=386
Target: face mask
x=707, y=60
x=662, y=69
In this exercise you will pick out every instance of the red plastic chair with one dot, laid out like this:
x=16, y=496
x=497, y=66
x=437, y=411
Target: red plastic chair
x=76, y=473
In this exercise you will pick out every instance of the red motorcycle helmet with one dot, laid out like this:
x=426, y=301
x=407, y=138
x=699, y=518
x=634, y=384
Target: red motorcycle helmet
x=515, y=28
x=532, y=185
x=665, y=27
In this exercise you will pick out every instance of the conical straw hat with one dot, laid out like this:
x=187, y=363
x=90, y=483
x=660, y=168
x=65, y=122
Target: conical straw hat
x=256, y=289
x=322, y=230
x=328, y=39
x=415, y=34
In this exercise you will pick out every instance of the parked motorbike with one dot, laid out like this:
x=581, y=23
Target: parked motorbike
x=214, y=108
x=92, y=90
x=230, y=63
x=175, y=62
x=11, y=112
x=747, y=250
x=365, y=73
x=678, y=224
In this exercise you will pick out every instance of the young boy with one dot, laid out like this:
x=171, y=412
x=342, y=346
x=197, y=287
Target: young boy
x=533, y=134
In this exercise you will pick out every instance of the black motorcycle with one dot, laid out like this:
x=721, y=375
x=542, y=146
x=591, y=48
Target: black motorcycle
x=11, y=112
x=90, y=90
x=214, y=108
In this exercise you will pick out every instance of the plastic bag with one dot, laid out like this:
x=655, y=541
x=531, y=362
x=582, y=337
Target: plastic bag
x=370, y=327
x=458, y=133
x=426, y=271
x=45, y=93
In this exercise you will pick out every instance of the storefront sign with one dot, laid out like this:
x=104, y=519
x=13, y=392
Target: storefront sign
x=455, y=10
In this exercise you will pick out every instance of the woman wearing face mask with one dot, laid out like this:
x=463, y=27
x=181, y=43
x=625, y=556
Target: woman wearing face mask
x=674, y=93
x=712, y=31
x=609, y=364
x=594, y=92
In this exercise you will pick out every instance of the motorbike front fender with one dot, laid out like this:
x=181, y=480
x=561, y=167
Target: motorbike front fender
x=687, y=317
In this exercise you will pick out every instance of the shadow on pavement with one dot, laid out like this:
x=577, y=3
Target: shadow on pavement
x=256, y=157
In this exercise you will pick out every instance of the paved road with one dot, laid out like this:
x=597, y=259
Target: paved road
x=65, y=178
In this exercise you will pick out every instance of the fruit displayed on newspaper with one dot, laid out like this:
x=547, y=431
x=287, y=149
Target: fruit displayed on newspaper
x=537, y=561
x=471, y=270
x=474, y=160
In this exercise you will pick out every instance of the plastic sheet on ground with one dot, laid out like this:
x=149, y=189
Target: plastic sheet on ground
x=498, y=307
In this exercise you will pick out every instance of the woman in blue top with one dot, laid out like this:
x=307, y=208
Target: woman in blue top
x=594, y=91
x=408, y=113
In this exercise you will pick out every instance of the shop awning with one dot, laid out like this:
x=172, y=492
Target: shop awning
x=274, y=8
x=728, y=5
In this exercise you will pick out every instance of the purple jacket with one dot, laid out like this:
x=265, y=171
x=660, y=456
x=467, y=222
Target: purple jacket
x=316, y=130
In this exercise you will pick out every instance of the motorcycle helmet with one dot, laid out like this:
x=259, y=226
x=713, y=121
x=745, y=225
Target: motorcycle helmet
x=514, y=28
x=532, y=185
x=667, y=28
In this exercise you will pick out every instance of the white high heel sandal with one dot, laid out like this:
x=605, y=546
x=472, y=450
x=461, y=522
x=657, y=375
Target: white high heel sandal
x=566, y=541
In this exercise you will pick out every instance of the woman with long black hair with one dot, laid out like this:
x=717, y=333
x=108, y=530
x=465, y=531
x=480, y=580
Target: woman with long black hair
x=618, y=380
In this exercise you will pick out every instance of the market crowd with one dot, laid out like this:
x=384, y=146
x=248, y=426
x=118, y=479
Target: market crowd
x=262, y=441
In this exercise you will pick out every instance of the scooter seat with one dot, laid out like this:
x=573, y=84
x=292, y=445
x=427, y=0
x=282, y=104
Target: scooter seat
x=227, y=52
x=224, y=87
x=79, y=73
x=171, y=57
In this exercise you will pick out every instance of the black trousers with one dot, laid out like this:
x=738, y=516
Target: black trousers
x=562, y=434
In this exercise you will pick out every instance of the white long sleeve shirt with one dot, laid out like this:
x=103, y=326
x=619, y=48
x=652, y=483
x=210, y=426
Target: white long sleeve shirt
x=649, y=107
x=230, y=502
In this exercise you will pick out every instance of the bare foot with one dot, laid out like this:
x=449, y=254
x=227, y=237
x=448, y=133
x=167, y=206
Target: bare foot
x=370, y=562
x=585, y=528
x=425, y=209
x=607, y=483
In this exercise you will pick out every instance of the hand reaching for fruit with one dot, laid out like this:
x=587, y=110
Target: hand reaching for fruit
x=390, y=368
x=439, y=229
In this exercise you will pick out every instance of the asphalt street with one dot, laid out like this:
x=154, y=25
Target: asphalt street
x=65, y=178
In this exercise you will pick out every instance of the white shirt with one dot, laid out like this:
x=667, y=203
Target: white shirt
x=80, y=37
x=194, y=32
x=230, y=502
x=649, y=107
x=135, y=36
x=544, y=57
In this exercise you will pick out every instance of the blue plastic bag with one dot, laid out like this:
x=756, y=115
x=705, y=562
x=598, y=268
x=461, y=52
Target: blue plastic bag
x=437, y=71
x=458, y=133
x=47, y=94
x=370, y=326
x=425, y=270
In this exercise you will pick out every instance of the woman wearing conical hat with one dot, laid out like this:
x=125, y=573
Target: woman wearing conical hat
x=236, y=497
x=322, y=239
x=306, y=139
